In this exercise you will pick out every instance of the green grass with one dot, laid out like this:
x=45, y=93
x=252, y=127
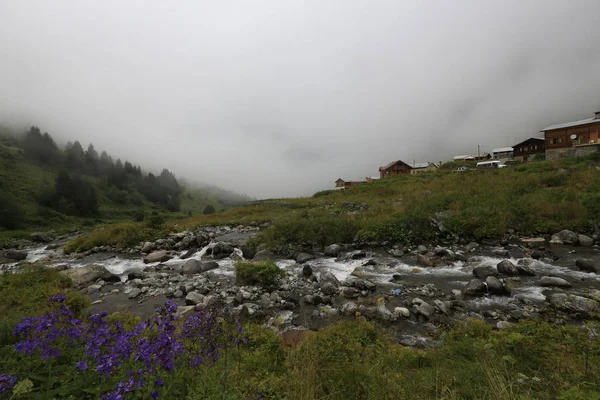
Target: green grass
x=263, y=273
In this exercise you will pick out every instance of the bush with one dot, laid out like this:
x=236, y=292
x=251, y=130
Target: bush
x=264, y=273
x=209, y=209
x=139, y=215
x=155, y=221
x=11, y=213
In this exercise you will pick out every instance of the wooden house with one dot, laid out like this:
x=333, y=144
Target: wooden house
x=527, y=149
x=575, y=138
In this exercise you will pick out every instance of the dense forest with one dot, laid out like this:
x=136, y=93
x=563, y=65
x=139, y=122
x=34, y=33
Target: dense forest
x=75, y=181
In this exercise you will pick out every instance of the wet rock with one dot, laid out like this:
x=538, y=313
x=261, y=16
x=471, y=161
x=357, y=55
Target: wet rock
x=566, y=236
x=516, y=253
x=349, y=308
x=456, y=294
x=422, y=249
x=248, y=252
x=263, y=255
x=193, y=298
x=329, y=288
x=587, y=265
x=537, y=254
x=135, y=293
x=370, y=262
x=312, y=299
x=90, y=273
x=357, y=272
x=425, y=309
x=472, y=246
x=483, y=271
x=136, y=274
x=475, y=287
x=307, y=271
x=441, y=306
x=350, y=292
x=533, y=242
x=574, y=304
x=382, y=313
x=460, y=256
x=358, y=255
x=189, y=253
x=40, y=237
x=500, y=252
x=494, y=285
x=148, y=247
x=424, y=261
x=585, y=240
x=396, y=252
x=192, y=267
x=360, y=284
x=301, y=258
x=178, y=294
x=15, y=255
x=402, y=312
x=525, y=270
x=328, y=277
x=333, y=250
x=157, y=256
x=507, y=268
x=554, y=281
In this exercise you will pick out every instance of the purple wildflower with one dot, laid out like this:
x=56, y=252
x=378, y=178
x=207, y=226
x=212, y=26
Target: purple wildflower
x=82, y=365
x=154, y=395
x=7, y=382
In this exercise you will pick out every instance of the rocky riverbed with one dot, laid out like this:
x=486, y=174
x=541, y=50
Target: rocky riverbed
x=411, y=290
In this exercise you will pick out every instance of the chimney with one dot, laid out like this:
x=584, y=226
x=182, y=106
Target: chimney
x=597, y=116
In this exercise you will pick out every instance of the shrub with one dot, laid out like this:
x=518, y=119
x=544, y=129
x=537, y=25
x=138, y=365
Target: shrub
x=139, y=215
x=209, y=209
x=155, y=221
x=11, y=213
x=265, y=273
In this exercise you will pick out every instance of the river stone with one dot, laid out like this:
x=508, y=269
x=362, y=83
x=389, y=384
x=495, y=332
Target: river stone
x=506, y=267
x=382, y=313
x=193, y=298
x=483, y=271
x=329, y=288
x=350, y=292
x=333, y=250
x=566, y=236
x=587, y=265
x=585, y=240
x=425, y=309
x=135, y=293
x=525, y=270
x=402, y=312
x=15, y=255
x=574, y=304
x=396, y=252
x=475, y=287
x=349, y=308
x=192, y=267
x=472, y=246
x=537, y=254
x=501, y=325
x=554, y=281
x=157, y=256
x=148, y=247
x=494, y=285
x=307, y=271
x=424, y=261
x=189, y=253
x=422, y=249
x=301, y=258
x=40, y=237
x=263, y=255
x=442, y=306
x=90, y=273
x=328, y=277
x=533, y=242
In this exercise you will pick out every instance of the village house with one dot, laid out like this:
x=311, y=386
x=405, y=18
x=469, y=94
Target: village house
x=502, y=153
x=342, y=184
x=526, y=150
x=399, y=167
x=576, y=138
x=473, y=157
x=370, y=179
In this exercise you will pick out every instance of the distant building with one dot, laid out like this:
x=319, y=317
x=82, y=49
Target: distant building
x=473, y=157
x=371, y=178
x=526, y=150
x=576, y=138
x=342, y=184
x=399, y=167
x=502, y=153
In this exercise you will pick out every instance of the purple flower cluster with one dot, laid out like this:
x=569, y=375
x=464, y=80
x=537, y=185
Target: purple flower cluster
x=7, y=382
x=150, y=348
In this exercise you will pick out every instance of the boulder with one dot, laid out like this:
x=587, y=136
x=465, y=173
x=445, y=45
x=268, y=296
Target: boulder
x=475, y=287
x=574, y=304
x=501, y=325
x=135, y=293
x=396, y=252
x=424, y=261
x=382, y=313
x=422, y=249
x=533, y=242
x=148, y=247
x=349, y=308
x=328, y=277
x=307, y=271
x=554, y=281
x=402, y=312
x=192, y=267
x=358, y=255
x=585, y=241
x=587, y=265
x=333, y=250
x=189, y=253
x=425, y=309
x=507, y=268
x=193, y=298
x=301, y=258
x=442, y=306
x=312, y=299
x=157, y=256
x=537, y=254
x=525, y=270
x=90, y=273
x=472, y=246
x=494, y=285
x=15, y=255
x=483, y=271
x=350, y=292
x=329, y=288
x=248, y=252
x=566, y=236
x=40, y=237
x=263, y=255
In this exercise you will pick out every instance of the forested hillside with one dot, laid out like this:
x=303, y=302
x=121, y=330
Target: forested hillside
x=44, y=185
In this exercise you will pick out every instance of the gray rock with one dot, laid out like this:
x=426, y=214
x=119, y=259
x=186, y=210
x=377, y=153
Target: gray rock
x=307, y=271
x=329, y=288
x=424, y=261
x=192, y=267
x=537, y=254
x=494, y=285
x=312, y=299
x=358, y=255
x=135, y=293
x=189, y=253
x=566, y=236
x=396, y=252
x=328, y=277
x=382, y=313
x=525, y=270
x=157, y=256
x=425, y=309
x=533, y=242
x=178, y=294
x=402, y=312
x=333, y=250
x=248, y=252
x=472, y=246
x=349, y=308
x=585, y=240
x=587, y=265
x=574, y=304
x=90, y=273
x=148, y=247
x=554, y=281
x=350, y=292
x=301, y=258
x=15, y=255
x=501, y=325
x=483, y=271
x=507, y=268
x=475, y=287
x=457, y=294
x=40, y=237
x=263, y=255
x=193, y=298
x=442, y=306
x=422, y=249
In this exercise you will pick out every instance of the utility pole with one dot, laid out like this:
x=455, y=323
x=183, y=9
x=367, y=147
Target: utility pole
x=478, y=152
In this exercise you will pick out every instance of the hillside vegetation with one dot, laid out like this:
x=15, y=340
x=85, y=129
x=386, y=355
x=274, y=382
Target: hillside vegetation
x=44, y=187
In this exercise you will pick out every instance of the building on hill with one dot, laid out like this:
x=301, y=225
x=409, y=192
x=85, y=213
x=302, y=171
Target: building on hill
x=473, y=157
x=399, y=167
x=342, y=184
x=502, y=153
x=576, y=138
x=370, y=179
x=527, y=149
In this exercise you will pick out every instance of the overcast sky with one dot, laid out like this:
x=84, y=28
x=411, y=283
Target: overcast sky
x=281, y=98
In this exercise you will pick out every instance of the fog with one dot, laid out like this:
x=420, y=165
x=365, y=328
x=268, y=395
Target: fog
x=281, y=98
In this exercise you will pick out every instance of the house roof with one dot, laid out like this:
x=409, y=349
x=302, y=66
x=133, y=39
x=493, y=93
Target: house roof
x=527, y=140
x=420, y=165
x=502, y=149
x=471, y=156
x=340, y=180
x=391, y=165
x=570, y=124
